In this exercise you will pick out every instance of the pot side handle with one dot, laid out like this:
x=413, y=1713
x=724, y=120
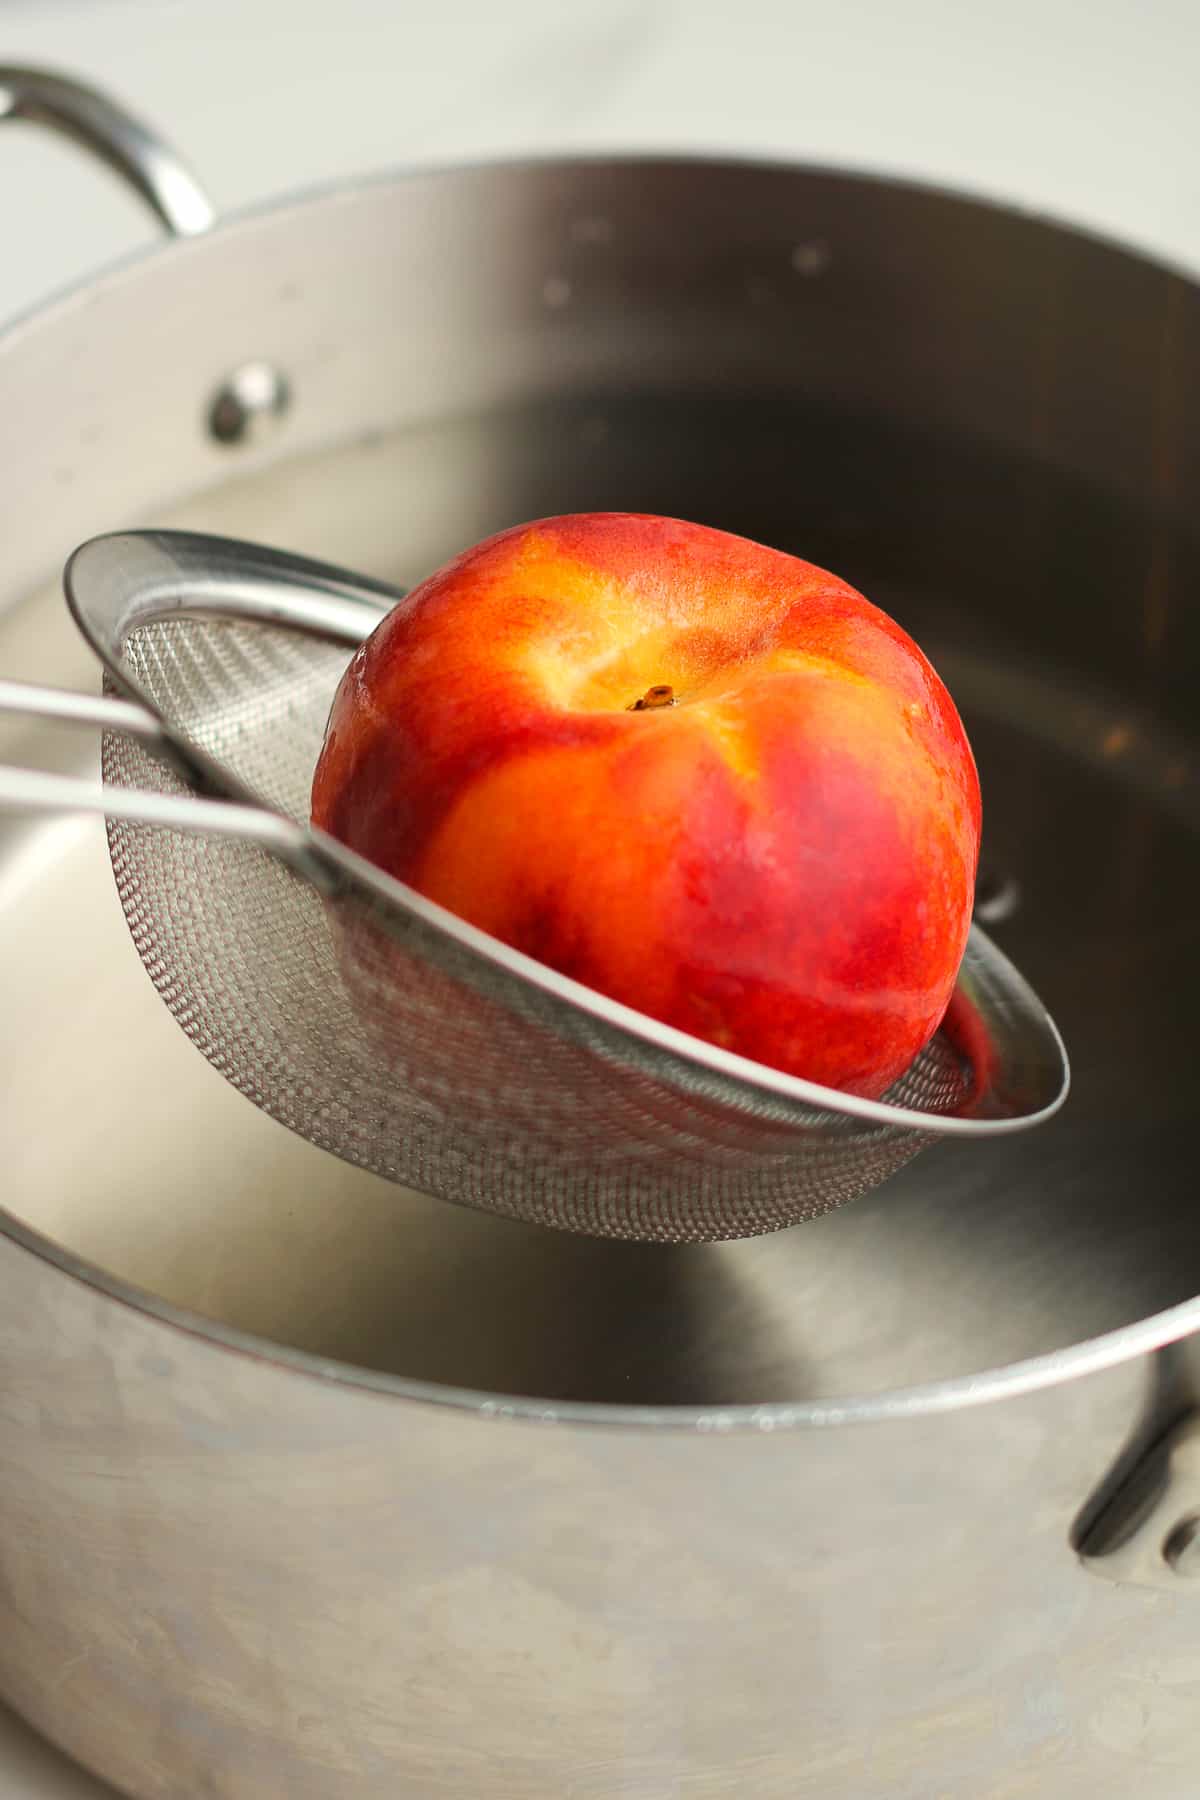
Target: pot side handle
x=107, y=131
x=1145, y=1531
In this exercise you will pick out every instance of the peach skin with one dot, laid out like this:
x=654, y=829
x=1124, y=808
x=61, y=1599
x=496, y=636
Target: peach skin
x=701, y=776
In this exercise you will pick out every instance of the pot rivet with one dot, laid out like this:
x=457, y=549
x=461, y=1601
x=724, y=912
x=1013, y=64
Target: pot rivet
x=249, y=404
x=1181, y=1547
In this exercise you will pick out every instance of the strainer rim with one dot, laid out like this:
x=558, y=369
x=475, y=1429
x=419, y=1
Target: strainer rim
x=106, y=624
x=710, y=1057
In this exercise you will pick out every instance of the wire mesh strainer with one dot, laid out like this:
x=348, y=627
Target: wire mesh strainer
x=391, y=1033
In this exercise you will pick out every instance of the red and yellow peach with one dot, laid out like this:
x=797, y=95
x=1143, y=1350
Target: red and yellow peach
x=703, y=777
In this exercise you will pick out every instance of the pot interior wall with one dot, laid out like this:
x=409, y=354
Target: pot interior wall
x=120, y=1143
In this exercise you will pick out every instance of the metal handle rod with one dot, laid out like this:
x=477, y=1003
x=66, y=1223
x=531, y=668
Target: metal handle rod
x=137, y=154
x=26, y=790
x=71, y=708
x=31, y=790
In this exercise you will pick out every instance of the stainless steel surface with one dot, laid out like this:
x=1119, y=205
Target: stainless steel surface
x=239, y=1579
x=386, y=1030
x=249, y=405
x=772, y=1544
x=97, y=123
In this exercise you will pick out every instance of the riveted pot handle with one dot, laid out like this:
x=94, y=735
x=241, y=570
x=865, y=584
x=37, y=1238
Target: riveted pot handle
x=1142, y=1529
x=107, y=131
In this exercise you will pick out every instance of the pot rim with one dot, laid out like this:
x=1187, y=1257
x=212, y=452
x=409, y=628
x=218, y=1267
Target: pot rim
x=344, y=189
x=1089, y=1356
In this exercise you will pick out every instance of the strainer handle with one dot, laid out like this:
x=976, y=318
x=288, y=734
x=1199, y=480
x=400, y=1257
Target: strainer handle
x=32, y=790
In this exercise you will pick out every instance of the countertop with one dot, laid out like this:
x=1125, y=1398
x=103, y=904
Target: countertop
x=1083, y=112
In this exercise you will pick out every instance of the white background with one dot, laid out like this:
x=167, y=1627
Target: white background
x=1087, y=111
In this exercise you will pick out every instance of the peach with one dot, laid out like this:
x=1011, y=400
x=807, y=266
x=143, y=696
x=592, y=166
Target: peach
x=698, y=775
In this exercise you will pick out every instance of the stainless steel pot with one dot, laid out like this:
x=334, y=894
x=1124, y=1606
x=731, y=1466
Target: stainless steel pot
x=309, y=1487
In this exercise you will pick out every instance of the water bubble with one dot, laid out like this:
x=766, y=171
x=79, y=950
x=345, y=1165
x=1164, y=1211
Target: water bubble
x=556, y=290
x=811, y=258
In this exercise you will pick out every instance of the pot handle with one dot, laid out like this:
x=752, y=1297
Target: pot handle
x=136, y=153
x=1143, y=1528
